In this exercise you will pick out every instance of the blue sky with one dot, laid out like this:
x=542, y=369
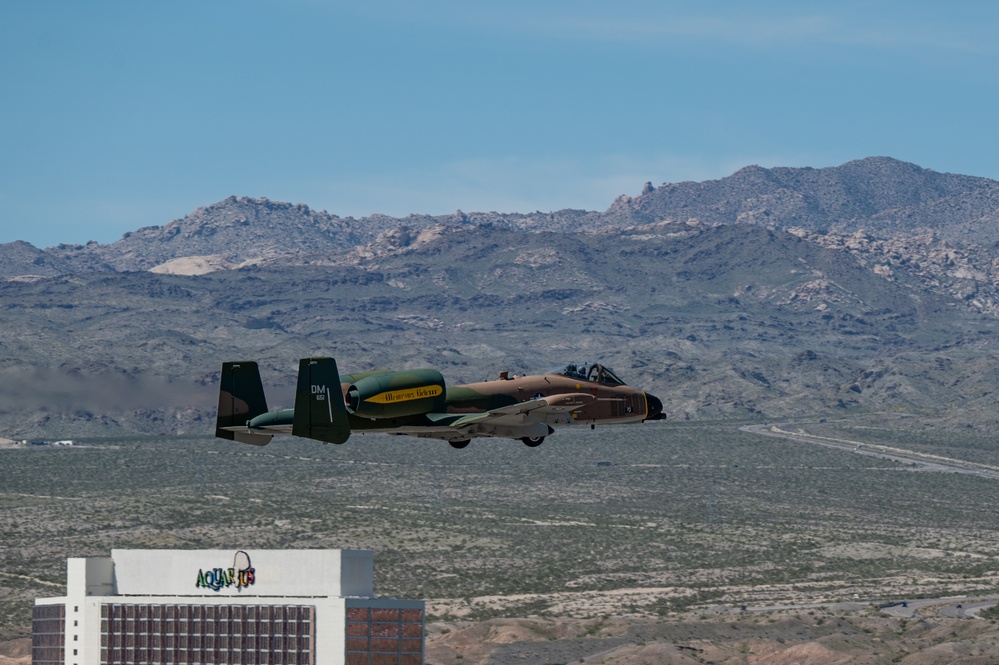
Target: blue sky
x=120, y=115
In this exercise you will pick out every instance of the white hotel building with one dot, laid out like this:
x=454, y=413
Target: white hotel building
x=208, y=607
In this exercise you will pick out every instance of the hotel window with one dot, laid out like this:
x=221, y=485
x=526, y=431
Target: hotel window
x=382, y=636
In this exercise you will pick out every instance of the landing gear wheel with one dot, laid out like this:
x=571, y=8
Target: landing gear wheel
x=460, y=444
x=533, y=441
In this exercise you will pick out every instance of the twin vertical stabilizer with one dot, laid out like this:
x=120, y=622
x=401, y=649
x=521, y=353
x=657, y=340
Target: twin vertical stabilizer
x=319, y=409
x=241, y=398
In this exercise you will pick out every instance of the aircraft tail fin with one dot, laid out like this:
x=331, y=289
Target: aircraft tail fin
x=319, y=409
x=241, y=397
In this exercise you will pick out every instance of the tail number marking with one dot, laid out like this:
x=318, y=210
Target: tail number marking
x=322, y=394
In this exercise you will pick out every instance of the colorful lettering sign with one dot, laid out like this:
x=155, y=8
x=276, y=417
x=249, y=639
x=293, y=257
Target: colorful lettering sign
x=240, y=575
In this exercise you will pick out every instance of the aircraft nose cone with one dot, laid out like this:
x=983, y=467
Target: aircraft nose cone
x=655, y=407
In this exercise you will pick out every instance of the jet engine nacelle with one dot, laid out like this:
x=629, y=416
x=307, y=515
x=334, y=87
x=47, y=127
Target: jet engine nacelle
x=397, y=394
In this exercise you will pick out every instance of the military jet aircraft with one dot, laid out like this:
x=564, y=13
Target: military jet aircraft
x=329, y=406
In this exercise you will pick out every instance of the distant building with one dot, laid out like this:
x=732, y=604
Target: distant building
x=207, y=607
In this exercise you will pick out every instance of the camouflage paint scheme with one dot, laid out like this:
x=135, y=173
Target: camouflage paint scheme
x=330, y=406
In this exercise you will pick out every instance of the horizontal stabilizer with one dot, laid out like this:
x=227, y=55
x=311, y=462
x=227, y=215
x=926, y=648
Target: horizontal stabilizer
x=251, y=438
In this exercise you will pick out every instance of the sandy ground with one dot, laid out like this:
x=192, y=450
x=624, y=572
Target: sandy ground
x=192, y=265
x=16, y=652
x=814, y=637
x=640, y=601
x=860, y=635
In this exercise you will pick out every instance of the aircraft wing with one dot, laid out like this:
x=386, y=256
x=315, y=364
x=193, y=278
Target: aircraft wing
x=554, y=409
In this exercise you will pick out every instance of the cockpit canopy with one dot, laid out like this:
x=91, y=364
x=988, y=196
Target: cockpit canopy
x=587, y=371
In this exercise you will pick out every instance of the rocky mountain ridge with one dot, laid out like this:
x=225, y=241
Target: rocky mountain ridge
x=745, y=320
x=239, y=231
x=880, y=196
